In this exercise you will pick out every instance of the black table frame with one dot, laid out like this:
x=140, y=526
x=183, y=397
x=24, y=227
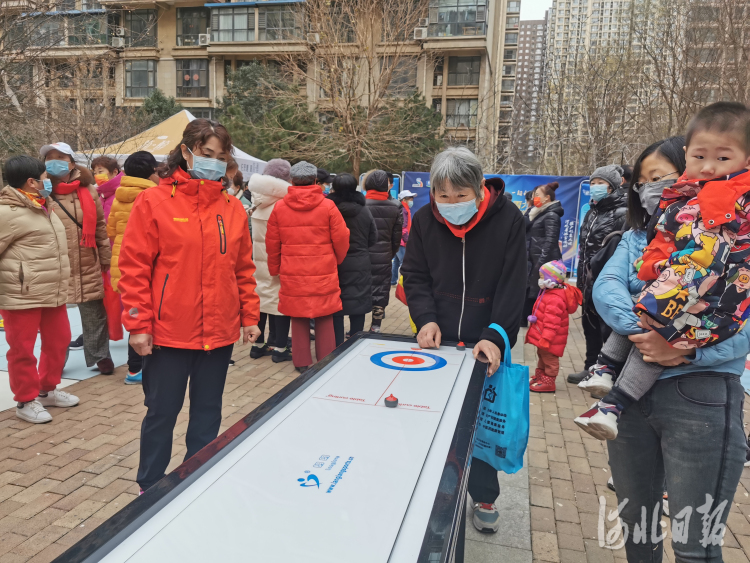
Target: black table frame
x=445, y=529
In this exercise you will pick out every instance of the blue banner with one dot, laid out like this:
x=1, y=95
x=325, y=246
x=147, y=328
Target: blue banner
x=570, y=194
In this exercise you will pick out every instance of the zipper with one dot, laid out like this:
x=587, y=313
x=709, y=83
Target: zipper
x=463, y=279
x=163, y=289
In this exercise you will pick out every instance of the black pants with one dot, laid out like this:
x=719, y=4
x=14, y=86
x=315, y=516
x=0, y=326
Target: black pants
x=356, y=324
x=483, y=484
x=596, y=332
x=165, y=377
x=278, y=329
x=135, y=362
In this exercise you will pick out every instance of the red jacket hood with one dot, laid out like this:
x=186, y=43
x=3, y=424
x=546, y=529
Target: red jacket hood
x=304, y=198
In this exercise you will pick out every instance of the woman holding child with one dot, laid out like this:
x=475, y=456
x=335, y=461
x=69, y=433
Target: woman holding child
x=687, y=426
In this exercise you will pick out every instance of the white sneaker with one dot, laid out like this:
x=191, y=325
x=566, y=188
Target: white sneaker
x=33, y=412
x=600, y=383
x=486, y=518
x=58, y=398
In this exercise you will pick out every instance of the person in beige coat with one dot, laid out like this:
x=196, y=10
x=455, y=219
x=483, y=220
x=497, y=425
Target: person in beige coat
x=77, y=205
x=34, y=276
x=266, y=190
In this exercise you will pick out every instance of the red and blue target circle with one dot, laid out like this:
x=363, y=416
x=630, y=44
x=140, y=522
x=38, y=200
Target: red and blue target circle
x=408, y=361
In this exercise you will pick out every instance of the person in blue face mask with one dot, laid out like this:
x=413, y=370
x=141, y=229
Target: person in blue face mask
x=188, y=292
x=606, y=215
x=465, y=270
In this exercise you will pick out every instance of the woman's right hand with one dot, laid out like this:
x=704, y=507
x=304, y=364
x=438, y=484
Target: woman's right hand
x=429, y=336
x=142, y=344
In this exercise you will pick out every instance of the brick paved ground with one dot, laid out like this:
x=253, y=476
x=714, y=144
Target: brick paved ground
x=60, y=480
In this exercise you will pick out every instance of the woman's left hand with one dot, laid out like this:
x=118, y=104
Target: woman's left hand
x=655, y=349
x=487, y=352
x=250, y=334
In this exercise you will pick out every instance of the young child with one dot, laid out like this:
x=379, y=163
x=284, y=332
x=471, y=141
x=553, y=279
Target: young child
x=697, y=263
x=548, y=323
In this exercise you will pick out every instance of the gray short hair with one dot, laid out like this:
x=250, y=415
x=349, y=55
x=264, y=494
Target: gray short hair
x=460, y=167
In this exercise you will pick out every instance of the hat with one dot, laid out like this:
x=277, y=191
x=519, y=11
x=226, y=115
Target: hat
x=140, y=164
x=278, y=168
x=304, y=173
x=377, y=180
x=612, y=174
x=323, y=176
x=554, y=271
x=406, y=193
x=62, y=147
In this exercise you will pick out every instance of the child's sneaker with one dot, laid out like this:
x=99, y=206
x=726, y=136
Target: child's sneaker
x=601, y=381
x=585, y=381
x=600, y=421
x=134, y=378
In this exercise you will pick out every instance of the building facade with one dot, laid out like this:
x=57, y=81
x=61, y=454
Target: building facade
x=117, y=52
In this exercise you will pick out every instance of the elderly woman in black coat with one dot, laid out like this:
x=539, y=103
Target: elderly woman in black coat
x=355, y=274
x=543, y=238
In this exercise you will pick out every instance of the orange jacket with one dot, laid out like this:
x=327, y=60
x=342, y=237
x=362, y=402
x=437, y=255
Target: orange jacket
x=187, y=272
x=306, y=239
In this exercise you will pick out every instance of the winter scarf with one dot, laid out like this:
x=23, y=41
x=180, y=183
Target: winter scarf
x=88, y=236
x=537, y=210
x=36, y=198
x=461, y=230
x=107, y=192
x=373, y=194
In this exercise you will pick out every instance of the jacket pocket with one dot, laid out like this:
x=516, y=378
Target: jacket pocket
x=22, y=278
x=161, y=301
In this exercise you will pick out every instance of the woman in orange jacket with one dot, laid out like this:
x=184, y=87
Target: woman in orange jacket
x=187, y=287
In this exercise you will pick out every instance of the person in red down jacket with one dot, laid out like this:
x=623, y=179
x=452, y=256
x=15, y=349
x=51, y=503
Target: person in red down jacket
x=548, y=323
x=306, y=240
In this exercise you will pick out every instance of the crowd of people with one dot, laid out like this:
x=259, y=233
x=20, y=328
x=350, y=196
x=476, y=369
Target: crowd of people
x=200, y=260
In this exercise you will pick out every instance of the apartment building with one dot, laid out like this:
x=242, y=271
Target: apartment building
x=466, y=52
x=532, y=43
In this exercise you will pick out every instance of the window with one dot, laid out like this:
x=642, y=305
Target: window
x=507, y=85
x=87, y=30
x=509, y=55
x=191, y=22
x=511, y=38
x=437, y=105
x=140, y=28
x=509, y=70
x=463, y=71
x=192, y=78
x=279, y=23
x=453, y=18
x=140, y=78
x=201, y=113
x=512, y=22
x=403, y=80
x=437, y=76
x=461, y=113
x=87, y=5
x=233, y=24
x=49, y=34
x=514, y=6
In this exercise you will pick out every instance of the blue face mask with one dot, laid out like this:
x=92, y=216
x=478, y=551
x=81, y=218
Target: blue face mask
x=206, y=168
x=47, y=190
x=57, y=168
x=598, y=192
x=458, y=213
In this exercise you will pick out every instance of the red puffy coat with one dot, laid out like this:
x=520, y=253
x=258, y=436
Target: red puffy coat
x=306, y=240
x=552, y=307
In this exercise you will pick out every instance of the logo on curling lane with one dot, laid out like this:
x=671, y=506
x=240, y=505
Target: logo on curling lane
x=312, y=480
x=407, y=360
x=306, y=482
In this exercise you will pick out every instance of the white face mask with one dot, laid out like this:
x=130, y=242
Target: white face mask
x=231, y=191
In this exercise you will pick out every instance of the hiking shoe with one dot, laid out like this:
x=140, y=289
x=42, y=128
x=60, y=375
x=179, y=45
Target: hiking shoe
x=611, y=484
x=106, y=366
x=486, y=517
x=231, y=362
x=601, y=381
x=375, y=329
x=58, y=398
x=259, y=351
x=278, y=356
x=134, y=378
x=301, y=368
x=600, y=421
x=77, y=344
x=33, y=412
x=576, y=378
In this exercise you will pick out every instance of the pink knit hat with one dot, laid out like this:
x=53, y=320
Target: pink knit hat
x=554, y=271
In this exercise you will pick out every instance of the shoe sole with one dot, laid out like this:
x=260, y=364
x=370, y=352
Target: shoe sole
x=133, y=382
x=598, y=389
x=589, y=429
x=485, y=530
x=275, y=361
x=605, y=431
x=75, y=348
x=33, y=421
x=59, y=407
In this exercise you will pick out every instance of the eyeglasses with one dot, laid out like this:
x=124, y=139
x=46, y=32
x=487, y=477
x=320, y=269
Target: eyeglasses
x=638, y=185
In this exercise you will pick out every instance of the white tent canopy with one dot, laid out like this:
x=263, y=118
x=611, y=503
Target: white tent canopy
x=162, y=138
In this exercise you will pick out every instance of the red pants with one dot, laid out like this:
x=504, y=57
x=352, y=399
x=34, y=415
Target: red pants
x=548, y=364
x=20, y=332
x=325, y=340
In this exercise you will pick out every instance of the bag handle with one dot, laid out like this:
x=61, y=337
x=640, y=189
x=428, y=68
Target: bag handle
x=506, y=357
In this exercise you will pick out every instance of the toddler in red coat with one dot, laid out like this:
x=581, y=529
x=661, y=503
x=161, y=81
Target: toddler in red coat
x=548, y=323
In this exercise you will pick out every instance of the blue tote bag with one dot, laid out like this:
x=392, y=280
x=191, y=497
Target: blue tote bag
x=503, y=423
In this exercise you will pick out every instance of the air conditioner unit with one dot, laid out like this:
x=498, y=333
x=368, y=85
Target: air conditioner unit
x=120, y=31
x=313, y=37
x=420, y=33
x=118, y=42
x=204, y=39
x=424, y=22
